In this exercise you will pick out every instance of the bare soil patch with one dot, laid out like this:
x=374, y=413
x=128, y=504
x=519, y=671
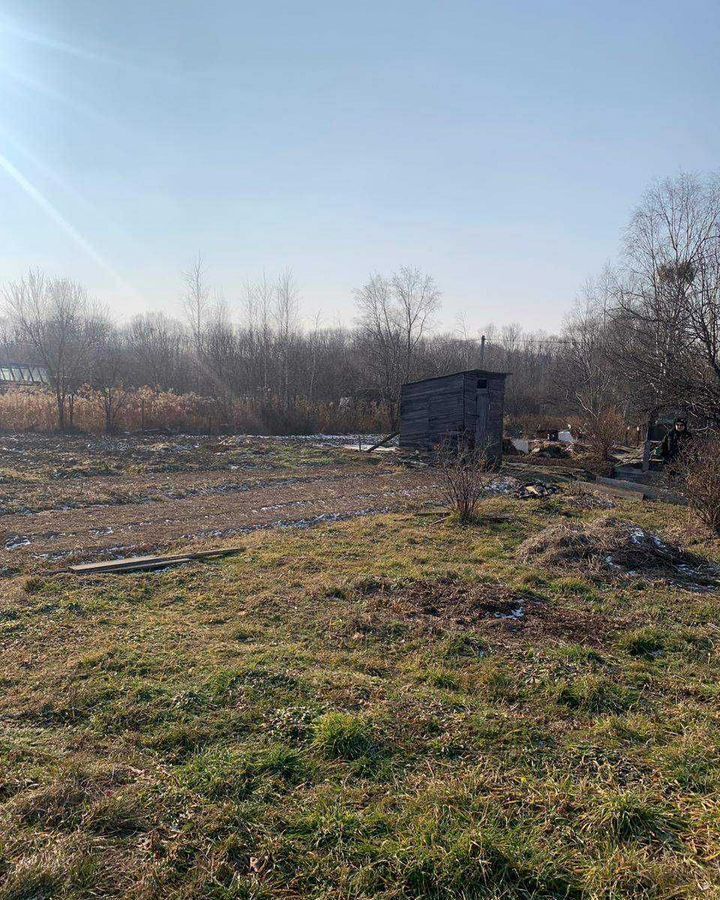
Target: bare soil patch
x=498, y=611
x=66, y=500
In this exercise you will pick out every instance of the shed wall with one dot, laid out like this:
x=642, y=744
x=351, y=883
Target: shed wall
x=430, y=410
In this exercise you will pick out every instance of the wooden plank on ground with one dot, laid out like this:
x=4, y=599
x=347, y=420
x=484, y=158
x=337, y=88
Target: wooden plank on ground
x=625, y=485
x=147, y=566
x=384, y=440
x=142, y=563
x=615, y=490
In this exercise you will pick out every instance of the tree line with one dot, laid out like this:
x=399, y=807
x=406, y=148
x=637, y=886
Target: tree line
x=641, y=337
x=259, y=353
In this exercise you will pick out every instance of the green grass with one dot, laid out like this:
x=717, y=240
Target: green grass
x=296, y=722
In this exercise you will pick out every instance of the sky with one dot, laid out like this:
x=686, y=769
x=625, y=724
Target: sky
x=499, y=146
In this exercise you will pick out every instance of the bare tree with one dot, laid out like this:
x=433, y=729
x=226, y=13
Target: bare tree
x=586, y=370
x=286, y=314
x=258, y=305
x=417, y=299
x=379, y=327
x=197, y=303
x=394, y=317
x=158, y=352
x=109, y=371
x=668, y=306
x=55, y=319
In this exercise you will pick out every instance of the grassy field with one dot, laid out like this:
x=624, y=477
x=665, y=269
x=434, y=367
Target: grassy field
x=389, y=707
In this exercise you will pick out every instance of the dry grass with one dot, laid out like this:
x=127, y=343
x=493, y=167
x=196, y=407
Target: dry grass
x=357, y=712
x=24, y=410
x=615, y=546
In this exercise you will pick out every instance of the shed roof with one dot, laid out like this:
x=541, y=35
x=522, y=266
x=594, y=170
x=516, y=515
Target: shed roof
x=483, y=373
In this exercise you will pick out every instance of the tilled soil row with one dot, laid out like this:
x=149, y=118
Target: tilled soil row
x=52, y=538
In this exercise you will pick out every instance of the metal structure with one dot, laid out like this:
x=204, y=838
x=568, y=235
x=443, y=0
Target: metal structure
x=23, y=375
x=465, y=406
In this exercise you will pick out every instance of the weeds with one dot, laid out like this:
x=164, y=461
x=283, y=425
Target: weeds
x=699, y=475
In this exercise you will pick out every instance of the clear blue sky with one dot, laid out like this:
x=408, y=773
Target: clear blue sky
x=498, y=145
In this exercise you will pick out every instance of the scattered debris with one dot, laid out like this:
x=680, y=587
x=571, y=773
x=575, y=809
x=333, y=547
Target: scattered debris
x=550, y=449
x=383, y=441
x=537, y=490
x=439, y=604
x=522, y=445
x=459, y=608
x=504, y=486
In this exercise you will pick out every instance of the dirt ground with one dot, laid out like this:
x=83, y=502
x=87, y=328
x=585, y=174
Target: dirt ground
x=64, y=500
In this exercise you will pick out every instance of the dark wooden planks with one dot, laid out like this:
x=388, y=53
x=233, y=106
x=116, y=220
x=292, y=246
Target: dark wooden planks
x=433, y=409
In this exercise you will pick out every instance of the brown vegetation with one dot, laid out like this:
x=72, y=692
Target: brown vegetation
x=462, y=475
x=700, y=480
x=615, y=546
x=146, y=409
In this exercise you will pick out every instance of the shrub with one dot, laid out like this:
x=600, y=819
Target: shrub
x=700, y=480
x=462, y=476
x=604, y=429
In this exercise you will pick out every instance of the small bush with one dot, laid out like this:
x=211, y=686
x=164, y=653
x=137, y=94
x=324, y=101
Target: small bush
x=462, y=475
x=700, y=480
x=343, y=736
x=604, y=429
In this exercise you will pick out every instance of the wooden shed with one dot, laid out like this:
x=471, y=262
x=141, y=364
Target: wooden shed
x=466, y=405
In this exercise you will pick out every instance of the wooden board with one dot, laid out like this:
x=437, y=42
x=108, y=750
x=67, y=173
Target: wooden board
x=147, y=563
x=615, y=490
